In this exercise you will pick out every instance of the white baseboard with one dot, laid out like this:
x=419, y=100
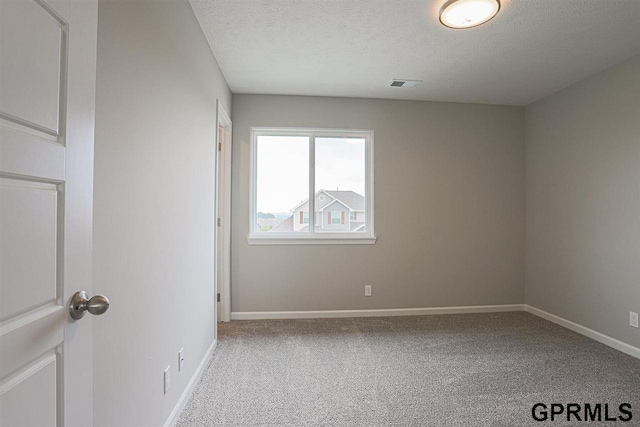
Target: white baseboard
x=325, y=314
x=583, y=330
x=188, y=391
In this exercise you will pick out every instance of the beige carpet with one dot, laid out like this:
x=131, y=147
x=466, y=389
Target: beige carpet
x=449, y=370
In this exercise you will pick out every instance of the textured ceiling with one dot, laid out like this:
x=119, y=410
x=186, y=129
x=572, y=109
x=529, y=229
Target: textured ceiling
x=353, y=48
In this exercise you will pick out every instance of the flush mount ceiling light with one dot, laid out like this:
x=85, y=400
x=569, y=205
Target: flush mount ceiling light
x=468, y=13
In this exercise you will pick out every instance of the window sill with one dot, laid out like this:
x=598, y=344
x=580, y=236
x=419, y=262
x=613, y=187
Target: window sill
x=311, y=241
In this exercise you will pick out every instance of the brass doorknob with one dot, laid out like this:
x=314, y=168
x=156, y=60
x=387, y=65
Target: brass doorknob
x=80, y=304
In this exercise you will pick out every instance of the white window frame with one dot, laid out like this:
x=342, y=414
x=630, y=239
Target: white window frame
x=311, y=237
x=306, y=219
x=337, y=219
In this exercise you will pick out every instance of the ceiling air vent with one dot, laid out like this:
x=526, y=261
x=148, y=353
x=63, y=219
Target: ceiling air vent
x=404, y=83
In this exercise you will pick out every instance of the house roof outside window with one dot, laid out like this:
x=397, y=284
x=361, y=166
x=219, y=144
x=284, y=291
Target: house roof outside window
x=350, y=199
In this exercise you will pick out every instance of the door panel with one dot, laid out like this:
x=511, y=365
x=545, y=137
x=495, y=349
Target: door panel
x=35, y=384
x=47, y=104
x=28, y=215
x=31, y=41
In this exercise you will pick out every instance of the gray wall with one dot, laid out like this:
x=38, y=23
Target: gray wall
x=456, y=171
x=154, y=184
x=583, y=202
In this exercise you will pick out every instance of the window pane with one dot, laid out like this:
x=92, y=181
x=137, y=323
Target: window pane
x=282, y=184
x=340, y=184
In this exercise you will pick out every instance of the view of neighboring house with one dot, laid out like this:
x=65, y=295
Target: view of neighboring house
x=335, y=211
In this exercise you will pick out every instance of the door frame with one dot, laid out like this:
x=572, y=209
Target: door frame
x=223, y=212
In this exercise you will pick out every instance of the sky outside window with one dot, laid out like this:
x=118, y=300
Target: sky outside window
x=340, y=164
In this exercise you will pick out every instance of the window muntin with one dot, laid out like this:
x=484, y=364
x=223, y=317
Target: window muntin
x=339, y=168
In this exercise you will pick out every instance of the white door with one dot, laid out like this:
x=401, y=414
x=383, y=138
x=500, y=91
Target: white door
x=47, y=103
x=223, y=214
x=219, y=235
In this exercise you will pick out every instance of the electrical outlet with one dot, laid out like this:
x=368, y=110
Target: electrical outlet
x=633, y=319
x=367, y=290
x=167, y=379
x=180, y=359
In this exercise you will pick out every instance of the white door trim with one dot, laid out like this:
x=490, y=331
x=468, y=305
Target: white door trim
x=223, y=200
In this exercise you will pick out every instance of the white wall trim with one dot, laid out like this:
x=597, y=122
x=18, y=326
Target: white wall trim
x=191, y=385
x=583, y=330
x=324, y=314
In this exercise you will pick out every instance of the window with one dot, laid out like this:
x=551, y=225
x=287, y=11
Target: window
x=298, y=171
x=336, y=217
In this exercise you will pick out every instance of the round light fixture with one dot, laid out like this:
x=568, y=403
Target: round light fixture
x=468, y=13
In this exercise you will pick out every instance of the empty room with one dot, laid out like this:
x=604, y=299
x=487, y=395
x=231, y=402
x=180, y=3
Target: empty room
x=319, y=213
